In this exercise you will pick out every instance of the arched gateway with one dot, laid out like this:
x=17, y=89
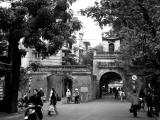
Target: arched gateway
x=106, y=70
x=106, y=66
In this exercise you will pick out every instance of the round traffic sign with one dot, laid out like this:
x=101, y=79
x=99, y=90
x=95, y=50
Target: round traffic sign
x=134, y=77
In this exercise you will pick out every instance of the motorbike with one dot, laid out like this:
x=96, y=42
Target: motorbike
x=141, y=103
x=31, y=112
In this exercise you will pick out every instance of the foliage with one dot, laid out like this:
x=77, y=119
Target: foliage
x=34, y=66
x=70, y=59
x=137, y=22
x=87, y=58
x=35, y=20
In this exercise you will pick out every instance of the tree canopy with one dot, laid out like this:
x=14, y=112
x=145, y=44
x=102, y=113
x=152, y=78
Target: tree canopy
x=40, y=24
x=137, y=22
x=43, y=24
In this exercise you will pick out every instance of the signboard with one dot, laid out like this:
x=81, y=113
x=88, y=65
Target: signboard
x=84, y=89
x=134, y=77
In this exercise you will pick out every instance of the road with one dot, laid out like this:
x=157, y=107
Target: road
x=104, y=109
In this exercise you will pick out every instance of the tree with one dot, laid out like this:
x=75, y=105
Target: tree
x=69, y=59
x=24, y=79
x=87, y=58
x=137, y=22
x=43, y=25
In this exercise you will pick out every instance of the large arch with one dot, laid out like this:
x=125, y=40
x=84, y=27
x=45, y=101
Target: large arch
x=102, y=72
x=106, y=79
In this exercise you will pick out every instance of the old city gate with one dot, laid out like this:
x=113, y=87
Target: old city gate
x=106, y=66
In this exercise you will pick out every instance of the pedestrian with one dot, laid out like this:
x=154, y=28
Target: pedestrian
x=53, y=100
x=122, y=95
x=77, y=96
x=142, y=99
x=149, y=102
x=116, y=93
x=68, y=95
x=25, y=100
x=134, y=102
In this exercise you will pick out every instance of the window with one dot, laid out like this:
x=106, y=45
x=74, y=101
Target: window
x=111, y=47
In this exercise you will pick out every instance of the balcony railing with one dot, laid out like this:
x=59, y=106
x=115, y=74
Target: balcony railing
x=63, y=68
x=109, y=65
x=109, y=55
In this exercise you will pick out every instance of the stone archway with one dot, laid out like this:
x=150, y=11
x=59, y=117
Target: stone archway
x=102, y=72
x=106, y=79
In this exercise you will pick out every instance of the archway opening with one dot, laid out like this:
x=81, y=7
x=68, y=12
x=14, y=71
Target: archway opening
x=110, y=82
x=67, y=84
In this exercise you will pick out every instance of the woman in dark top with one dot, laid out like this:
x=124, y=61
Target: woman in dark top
x=53, y=100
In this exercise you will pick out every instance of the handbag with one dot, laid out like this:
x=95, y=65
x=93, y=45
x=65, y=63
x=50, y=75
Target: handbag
x=51, y=108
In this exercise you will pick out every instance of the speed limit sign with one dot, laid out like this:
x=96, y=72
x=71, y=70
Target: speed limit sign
x=134, y=77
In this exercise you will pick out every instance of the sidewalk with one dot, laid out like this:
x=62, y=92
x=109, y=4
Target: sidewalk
x=13, y=116
x=20, y=115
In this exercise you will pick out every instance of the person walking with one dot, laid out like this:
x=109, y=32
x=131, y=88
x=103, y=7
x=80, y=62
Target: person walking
x=115, y=93
x=122, y=95
x=53, y=100
x=149, y=102
x=134, y=102
x=68, y=95
x=77, y=97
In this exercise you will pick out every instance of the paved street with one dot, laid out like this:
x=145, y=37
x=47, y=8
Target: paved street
x=104, y=109
x=97, y=110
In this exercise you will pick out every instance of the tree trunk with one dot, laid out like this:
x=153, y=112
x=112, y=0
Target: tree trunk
x=12, y=101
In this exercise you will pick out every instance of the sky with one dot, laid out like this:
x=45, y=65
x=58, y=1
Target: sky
x=92, y=31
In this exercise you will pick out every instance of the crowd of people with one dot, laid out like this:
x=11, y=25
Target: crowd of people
x=38, y=98
x=149, y=100
x=119, y=93
x=76, y=96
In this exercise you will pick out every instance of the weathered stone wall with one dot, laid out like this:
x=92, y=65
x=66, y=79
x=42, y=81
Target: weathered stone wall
x=81, y=80
x=54, y=81
x=38, y=81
